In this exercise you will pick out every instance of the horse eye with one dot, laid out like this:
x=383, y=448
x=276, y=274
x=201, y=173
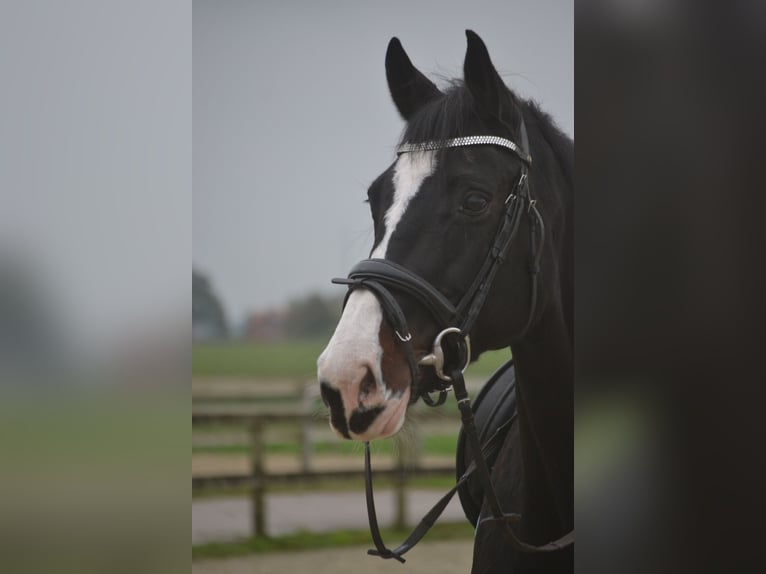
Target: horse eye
x=474, y=203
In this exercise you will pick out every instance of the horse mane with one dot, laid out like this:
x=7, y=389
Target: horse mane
x=561, y=144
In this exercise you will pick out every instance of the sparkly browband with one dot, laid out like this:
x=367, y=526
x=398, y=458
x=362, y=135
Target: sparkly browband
x=466, y=141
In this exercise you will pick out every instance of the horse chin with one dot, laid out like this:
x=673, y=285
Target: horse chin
x=389, y=421
x=427, y=380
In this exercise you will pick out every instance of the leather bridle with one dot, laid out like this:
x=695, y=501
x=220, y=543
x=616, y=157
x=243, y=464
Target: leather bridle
x=381, y=277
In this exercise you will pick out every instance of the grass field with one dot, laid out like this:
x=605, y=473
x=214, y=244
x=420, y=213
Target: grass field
x=306, y=540
x=280, y=360
x=288, y=359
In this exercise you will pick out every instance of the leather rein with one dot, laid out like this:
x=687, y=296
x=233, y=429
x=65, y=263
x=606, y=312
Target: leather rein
x=380, y=276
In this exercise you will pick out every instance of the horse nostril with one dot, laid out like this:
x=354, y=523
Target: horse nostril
x=331, y=397
x=367, y=385
x=325, y=390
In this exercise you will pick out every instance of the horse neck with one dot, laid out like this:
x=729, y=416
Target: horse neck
x=544, y=369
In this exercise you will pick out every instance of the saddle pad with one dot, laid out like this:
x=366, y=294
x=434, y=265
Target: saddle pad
x=494, y=405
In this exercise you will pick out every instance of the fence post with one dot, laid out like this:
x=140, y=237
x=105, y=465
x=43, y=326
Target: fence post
x=306, y=442
x=400, y=485
x=258, y=491
x=416, y=460
x=408, y=456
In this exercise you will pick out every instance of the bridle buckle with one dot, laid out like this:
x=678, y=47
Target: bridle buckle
x=436, y=358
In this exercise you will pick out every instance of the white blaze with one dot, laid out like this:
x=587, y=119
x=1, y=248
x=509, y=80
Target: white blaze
x=410, y=172
x=355, y=343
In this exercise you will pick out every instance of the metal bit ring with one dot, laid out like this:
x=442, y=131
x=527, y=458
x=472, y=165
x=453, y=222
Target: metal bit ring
x=436, y=358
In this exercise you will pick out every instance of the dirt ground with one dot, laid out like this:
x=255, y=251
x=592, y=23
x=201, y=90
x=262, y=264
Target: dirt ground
x=445, y=557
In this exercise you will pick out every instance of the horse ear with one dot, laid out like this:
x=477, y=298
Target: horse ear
x=409, y=88
x=483, y=81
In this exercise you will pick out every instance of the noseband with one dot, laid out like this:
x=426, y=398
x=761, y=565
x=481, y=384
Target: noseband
x=381, y=276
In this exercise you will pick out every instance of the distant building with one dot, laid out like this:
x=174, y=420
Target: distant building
x=265, y=326
x=208, y=318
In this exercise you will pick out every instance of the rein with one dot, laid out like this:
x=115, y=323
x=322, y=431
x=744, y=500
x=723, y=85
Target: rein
x=380, y=276
x=479, y=464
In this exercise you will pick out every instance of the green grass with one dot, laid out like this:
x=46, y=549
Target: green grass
x=289, y=359
x=307, y=541
x=488, y=363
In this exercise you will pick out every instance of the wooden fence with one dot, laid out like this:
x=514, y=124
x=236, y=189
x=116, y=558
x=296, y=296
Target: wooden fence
x=407, y=464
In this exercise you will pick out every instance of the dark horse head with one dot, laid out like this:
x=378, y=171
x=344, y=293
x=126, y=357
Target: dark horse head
x=436, y=214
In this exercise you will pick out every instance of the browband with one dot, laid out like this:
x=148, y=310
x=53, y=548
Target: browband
x=468, y=141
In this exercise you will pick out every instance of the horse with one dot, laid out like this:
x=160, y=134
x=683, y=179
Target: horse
x=472, y=251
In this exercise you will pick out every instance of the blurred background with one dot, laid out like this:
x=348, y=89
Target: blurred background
x=292, y=121
x=106, y=204
x=95, y=304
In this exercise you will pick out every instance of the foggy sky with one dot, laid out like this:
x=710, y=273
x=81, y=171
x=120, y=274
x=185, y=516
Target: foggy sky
x=95, y=162
x=292, y=120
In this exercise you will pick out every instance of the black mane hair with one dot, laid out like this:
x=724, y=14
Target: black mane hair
x=561, y=144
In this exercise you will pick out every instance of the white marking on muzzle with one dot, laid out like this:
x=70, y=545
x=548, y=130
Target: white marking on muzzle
x=355, y=345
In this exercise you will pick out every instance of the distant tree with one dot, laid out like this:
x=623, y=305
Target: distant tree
x=208, y=318
x=31, y=338
x=312, y=316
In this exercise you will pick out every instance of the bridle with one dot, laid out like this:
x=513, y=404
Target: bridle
x=381, y=276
